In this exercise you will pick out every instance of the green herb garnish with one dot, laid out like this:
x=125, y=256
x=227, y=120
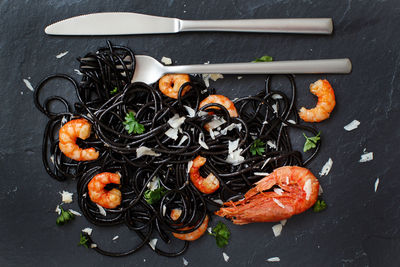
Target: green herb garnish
x=319, y=206
x=221, y=234
x=311, y=142
x=153, y=196
x=64, y=217
x=257, y=148
x=114, y=91
x=132, y=125
x=83, y=241
x=263, y=59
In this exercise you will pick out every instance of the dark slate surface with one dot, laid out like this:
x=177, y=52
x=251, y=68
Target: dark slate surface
x=360, y=228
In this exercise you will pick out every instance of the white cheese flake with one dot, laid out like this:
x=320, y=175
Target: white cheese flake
x=274, y=259
x=271, y=144
x=154, y=183
x=78, y=72
x=277, y=229
x=283, y=222
x=218, y=201
x=278, y=191
x=275, y=108
x=153, y=243
x=209, y=230
x=87, y=230
x=366, y=157
x=239, y=77
x=166, y=60
x=145, y=151
x=261, y=173
x=326, y=168
x=190, y=111
x=235, y=158
x=233, y=145
x=376, y=184
x=190, y=164
x=215, y=122
x=101, y=210
x=93, y=245
x=212, y=135
x=183, y=139
x=226, y=257
x=201, y=141
x=52, y=158
x=58, y=210
x=66, y=197
x=115, y=238
x=172, y=133
x=62, y=54
x=185, y=262
x=213, y=76
x=320, y=190
x=278, y=203
x=307, y=188
x=202, y=113
x=265, y=163
x=176, y=121
x=164, y=210
x=277, y=96
x=28, y=84
x=231, y=127
x=352, y=125
x=291, y=121
x=75, y=212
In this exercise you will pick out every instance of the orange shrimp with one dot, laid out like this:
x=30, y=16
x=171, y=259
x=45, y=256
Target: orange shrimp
x=196, y=234
x=298, y=192
x=67, y=140
x=169, y=84
x=107, y=199
x=326, y=102
x=207, y=185
x=222, y=100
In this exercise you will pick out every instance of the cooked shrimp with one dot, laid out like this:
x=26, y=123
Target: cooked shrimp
x=222, y=100
x=298, y=192
x=207, y=185
x=67, y=140
x=171, y=83
x=98, y=194
x=326, y=102
x=175, y=214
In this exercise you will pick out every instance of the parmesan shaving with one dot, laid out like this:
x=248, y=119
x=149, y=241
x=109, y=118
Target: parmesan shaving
x=239, y=77
x=176, y=121
x=352, y=125
x=367, y=157
x=261, y=173
x=87, y=230
x=66, y=197
x=274, y=259
x=190, y=111
x=202, y=113
x=307, y=188
x=62, y=54
x=218, y=201
x=153, y=243
x=154, y=183
x=172, y=133
x=115, y=237
x=278, y=203
x=320, y=191
x=58, y=210
x=277, y=96
x=271, y=144
x=275, y=108
x=201, y=141
x=78, y=72
x=211, y=132
x=190, y=164
x=226, y=257
x=235, y=158
x=233, y=145
x=185, y=262
x=277, y=229
x=265, y=163
x=209, y=230
x=164, y=210
x=326, y=168
x=101, y=210
x=93, y=245
x=183, y=139
x=166, y=60
x=145, y=151
x=75, y=212
x=28, y=84
x=215, y=122
x=376, y=184
x=283, y=222
x=231, y=127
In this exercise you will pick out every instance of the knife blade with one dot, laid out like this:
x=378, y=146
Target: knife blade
x=127, y=23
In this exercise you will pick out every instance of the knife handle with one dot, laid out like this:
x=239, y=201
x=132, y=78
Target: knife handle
x=300, y=25
x=342, y=65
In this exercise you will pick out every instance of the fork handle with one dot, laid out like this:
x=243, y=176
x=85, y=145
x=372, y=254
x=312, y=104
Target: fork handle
x=300, y=25
x=342, y=65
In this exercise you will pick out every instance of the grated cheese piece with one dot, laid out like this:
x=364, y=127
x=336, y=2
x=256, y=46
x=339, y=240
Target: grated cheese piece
x=326, y=168
x=101, y=210
x=275, y=108
x=185, y=262
x=278, y=203
x=172, y=133
x=261, y=173
x=87, y=230
x=231, y=127
x=209, y=230
x=376, y=184
x=271, y=144
x=190, y=164
x=164, y=210
x=62, y=54
x=239, y=77
x=212, y=135
x=28, y=84
x=202, y=113
x=274, y=259
x=145, y=151
x=166, y=60
x=366, y=157
x=307, y=188
x=277, y=229
x=115, y=237
x=218, y=201
x=352, y=125
x=291, y=121
x=226, y=257
x=277, y=96
x=201, y=141
x=190, y=111
x=93, y=245
x=213, y=76
x=58, y=210
x=52, y=158
x=215, y=122
x=78, y=72
x=66, y=197
x=283, y=222
x=176, y=121
x=320, y=191
x=233, y=145
x=183, y=139
x=75, y=212
x=154, y=183
x=265, y=163
x=278, y=191
x=153, y=243
x=235, y=158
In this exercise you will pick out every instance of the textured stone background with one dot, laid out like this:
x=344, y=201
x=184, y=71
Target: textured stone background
x=360, y=227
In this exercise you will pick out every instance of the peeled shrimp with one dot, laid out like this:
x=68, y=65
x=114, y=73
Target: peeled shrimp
x=297, y=192
x=175, y=214
x=222, y=100
x=67, y=140
x=170, y=84
x=207, y=185
x=98, y=194
x=326, y=102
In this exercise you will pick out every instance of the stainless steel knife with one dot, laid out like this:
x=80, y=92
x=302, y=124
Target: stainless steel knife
x=125, y=23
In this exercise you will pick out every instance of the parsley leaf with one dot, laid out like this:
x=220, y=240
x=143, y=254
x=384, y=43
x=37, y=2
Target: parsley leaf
x=132, y=125
x=153, y=196
x=64, y=217
x=263, y=59
x=114, y=91
x=221, y=234
x=319, y=206
x=311, y=142
x=83, y=241
x=257, y=148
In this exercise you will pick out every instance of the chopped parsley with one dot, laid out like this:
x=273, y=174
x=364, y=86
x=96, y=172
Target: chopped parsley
x=83, y=241
x=257, y=148
x=263, y=59
x=221, y=234
x=311, y=142
x=132, y=125
x=153, y=196
x=64, y=217
x=319, y=206
x=114, y=91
